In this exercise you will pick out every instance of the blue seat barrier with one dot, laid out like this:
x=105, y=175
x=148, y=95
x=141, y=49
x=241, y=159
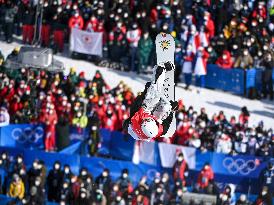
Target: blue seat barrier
x=228, y=80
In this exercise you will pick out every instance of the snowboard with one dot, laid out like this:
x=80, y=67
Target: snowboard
x=165, y=49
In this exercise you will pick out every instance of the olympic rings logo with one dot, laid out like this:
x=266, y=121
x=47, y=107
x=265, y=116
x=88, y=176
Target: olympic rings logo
x=239, y=166
x=28, y=134
x=151, y=173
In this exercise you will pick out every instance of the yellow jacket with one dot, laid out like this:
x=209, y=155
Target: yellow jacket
x=80, y=121
x=17, y=190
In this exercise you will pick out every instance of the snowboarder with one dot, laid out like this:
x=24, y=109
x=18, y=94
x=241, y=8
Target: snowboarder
x=152, y=113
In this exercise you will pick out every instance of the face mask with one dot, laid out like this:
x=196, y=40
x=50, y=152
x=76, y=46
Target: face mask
x=37, y=183
x=245, y=53
x=164, y=179
x=66, y=170
x=159, y=190
x=105, y=174
x=57, y=166
x=88, y=180
x=4, y=156
x=180, y=159
x=124, y=175
x=224, y=57
x=19, y=160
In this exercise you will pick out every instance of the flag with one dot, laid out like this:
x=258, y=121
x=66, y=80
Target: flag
x=86, y=42
x=144, y=152
x=136, y=153
x=169, y=152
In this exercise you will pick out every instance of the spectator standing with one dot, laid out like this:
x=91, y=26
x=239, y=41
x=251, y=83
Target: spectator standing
x=200, y=66
x=54, y=182
x=10, y=13
x=187, y=65
x=205, y=177
x=27, y=17
x=17, y=187
x=4, y=117
x=145, y=47
x=58, y=29
x=47, y=20
x=180, y=169
x=268, y=65
x=76, y=21
x=133, y=37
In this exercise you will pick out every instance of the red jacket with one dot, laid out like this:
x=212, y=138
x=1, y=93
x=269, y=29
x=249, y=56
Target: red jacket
x=179, y=170
x=182, y=133
x=225, y=63
x=136, y=122
x=210, y=28
x=92, y=24
x=110, y=122
x=76, y=22
x=144, y=201
x=15, y=106
x=204, y=177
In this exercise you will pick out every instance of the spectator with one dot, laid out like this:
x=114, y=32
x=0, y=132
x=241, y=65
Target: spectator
x=124, y=183
x=267, y=176
x=100, y=198
x=46, y=24
x=204, y=178
x=200, y=66
x=224, y=144
x=54, y=182
x=27, y=14
x=242, y=200
x=133, y=37
x=187, y=65
x=265, y=197
x=180, y=169
x=244, y=116
x=145, y=46
x=76, y=21
x=225, y=61
x=4, y=117
x=268, y=65
x=244, y=61
x=103, y=182
x=10, y=13
x=62, y=132
x=16, y=187
x=58, y=30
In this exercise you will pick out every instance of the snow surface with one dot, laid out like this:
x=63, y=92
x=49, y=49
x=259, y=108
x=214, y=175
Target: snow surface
x=212, y=100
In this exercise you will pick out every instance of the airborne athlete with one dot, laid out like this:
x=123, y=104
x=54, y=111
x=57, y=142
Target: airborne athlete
x=152, y=113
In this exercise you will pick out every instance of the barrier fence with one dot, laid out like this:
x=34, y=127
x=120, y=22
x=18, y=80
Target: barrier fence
x=234, y=80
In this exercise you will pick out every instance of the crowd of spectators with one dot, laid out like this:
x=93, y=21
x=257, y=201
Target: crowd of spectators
x=39, y=183
x=58, y=101
x=231, y=33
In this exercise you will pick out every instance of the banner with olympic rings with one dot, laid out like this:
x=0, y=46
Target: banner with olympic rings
x=23, y=135
x=240, y=165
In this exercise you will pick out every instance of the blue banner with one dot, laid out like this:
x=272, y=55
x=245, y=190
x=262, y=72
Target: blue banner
x=23, y=135
x=121, y=146
x=251, y=78
x=231, y=80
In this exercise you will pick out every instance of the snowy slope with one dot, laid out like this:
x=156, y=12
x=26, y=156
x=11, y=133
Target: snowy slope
x=213, y=101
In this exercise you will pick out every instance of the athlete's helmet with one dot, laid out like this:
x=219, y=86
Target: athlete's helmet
x=149, y=127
